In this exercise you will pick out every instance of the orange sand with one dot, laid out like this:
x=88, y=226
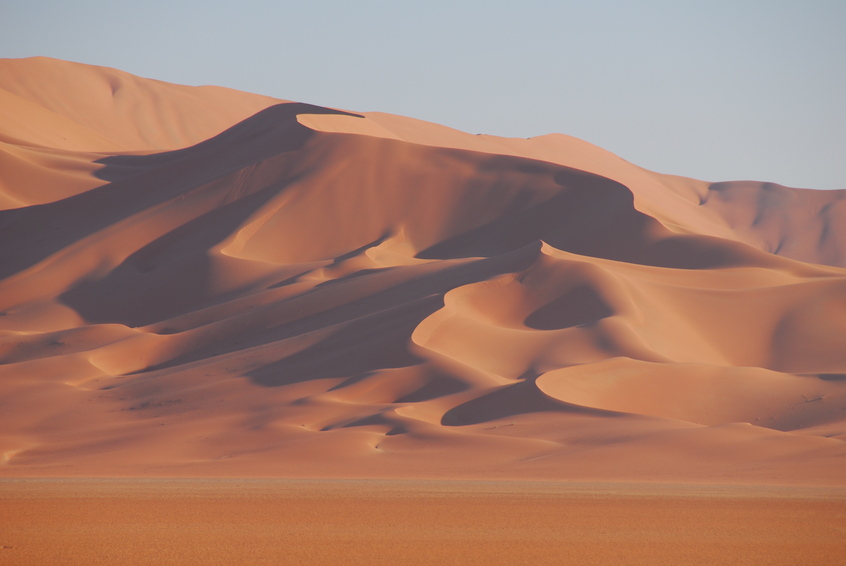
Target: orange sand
x=198, y=282
x=391, y=522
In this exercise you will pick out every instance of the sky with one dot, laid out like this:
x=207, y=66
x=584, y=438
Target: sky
x=716, y=90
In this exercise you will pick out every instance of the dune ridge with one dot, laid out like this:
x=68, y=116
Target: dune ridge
x=198, y=281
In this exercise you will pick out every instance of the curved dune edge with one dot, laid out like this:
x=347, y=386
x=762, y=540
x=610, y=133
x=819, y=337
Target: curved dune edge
x=196, y=281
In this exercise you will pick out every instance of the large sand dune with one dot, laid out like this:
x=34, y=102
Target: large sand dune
x=199, y=281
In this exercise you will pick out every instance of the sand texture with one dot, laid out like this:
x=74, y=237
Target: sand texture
x=379, y=522
x=199, y=282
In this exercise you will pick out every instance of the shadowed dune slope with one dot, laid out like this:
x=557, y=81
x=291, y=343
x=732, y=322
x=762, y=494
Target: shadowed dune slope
x=197, y=281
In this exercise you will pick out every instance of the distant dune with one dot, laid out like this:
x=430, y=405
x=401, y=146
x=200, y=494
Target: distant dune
x=196, y=281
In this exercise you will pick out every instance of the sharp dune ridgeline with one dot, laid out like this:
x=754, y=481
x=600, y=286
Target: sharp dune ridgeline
x=196, y=281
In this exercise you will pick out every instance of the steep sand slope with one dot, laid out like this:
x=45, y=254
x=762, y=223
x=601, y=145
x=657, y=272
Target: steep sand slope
x=57, y=115
x=319, y=292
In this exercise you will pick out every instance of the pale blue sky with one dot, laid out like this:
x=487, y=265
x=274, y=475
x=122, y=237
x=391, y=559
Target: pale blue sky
x=716, y=90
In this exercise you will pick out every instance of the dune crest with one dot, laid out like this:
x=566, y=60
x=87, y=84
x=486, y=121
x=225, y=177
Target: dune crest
x=198, y=281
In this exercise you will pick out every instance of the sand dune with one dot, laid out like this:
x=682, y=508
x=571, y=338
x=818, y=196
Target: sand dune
x=199, y=281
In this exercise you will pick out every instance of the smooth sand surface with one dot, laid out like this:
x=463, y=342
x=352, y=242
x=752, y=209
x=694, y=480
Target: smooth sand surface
x=415, y=522
x=198, y=282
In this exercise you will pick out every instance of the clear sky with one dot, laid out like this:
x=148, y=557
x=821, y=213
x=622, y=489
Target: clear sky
x=716, y=90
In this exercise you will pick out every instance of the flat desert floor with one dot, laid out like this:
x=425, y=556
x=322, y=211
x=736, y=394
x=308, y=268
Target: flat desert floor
x=233, y=521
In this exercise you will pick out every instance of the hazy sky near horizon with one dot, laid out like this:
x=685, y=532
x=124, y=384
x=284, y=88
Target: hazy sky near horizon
x=717, y=90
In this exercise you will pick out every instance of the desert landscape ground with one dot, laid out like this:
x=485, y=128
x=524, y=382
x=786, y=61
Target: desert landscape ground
x=208, y=295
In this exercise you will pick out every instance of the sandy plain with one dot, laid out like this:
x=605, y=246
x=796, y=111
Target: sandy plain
x=213, y=521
